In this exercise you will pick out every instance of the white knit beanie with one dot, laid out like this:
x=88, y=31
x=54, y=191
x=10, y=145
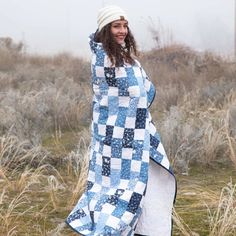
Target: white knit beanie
x=108, y=14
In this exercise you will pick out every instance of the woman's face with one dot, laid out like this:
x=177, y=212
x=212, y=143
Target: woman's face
x=119, y=30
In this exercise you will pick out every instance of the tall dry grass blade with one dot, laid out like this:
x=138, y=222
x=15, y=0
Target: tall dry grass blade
x=82, y=180
x=12, y=231
x=223, y=219
x=9, y=216
x=2, y=196
x=231, y=140
x=182, y=226
x=54, y=186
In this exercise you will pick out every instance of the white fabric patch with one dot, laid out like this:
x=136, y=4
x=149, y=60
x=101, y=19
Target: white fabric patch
x=97, y=188
x=120, y=72
x=127, y=153
x=142, y=103
x=112, y=221
x=99, y=70
x=139, y=134
x=113, y=91
x=98, y=159
x=95, y=117
x=126, y=195
x=104, y=101
x=130, y=122
x=124, y=102
x=108, y=208
x=135, y=166
x=137, y=72
x=139, y=188
x=134, y=91
x=96, y=146
x=116, y=163
x=106, y=150
x=165, y=162
x=127, y=216
x=124, y=183
x=102, y=130
x=118, y=132
x=91, y=176
x=111, y=120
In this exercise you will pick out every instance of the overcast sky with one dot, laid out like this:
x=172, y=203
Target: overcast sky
x=53, y=26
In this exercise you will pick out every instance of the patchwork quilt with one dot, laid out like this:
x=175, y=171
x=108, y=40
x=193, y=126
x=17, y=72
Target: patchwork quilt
x=124, y=139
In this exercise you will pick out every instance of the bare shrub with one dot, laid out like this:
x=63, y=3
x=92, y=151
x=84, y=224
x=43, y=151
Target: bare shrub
x=51, y=95
x=45, y=94
x=10, y=53
x=167, y=97
x=213, y=145
x=74, y=67
x=216, y=93
x=59, y=106
x=194, y=137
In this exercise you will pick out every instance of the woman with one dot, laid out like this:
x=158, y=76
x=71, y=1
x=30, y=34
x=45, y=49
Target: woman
x=130, y=187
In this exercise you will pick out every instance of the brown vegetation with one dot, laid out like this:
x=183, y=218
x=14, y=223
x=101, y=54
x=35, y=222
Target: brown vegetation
x=45, y=109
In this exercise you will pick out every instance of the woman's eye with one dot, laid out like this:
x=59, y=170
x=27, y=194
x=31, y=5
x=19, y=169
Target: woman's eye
x=119, y=26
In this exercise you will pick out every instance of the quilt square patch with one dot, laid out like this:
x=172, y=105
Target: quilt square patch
x=140, y=118
x=106, y=166
x=134, y=202
x=128, y=138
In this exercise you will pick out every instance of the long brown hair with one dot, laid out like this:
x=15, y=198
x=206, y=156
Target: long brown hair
x=116, y=52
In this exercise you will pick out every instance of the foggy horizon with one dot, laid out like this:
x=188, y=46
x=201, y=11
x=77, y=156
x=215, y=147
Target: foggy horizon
x=64, y=26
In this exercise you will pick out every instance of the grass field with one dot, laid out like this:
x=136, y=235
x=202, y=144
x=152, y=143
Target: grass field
x=36, y=200
x=45, y=112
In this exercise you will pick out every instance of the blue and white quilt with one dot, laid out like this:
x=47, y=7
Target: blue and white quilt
x=123, y=141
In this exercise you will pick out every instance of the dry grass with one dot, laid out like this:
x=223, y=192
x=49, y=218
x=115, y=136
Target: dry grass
x=46, y=96
x=32, y=199
x=231, y=139
x=182, y=227
x=203, y=203
x=223, y=219
x=36, y=200
x=47, y=101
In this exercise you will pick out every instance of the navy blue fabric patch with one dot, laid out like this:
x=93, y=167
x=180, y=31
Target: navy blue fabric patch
x=106, y=166
x=140, y=118
x=134, y=202
x=76, y=215
x=154, y=142
x=110, y=76
x=128, y=138
x=113, y=199
x=109, y=133
x=89, y=185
